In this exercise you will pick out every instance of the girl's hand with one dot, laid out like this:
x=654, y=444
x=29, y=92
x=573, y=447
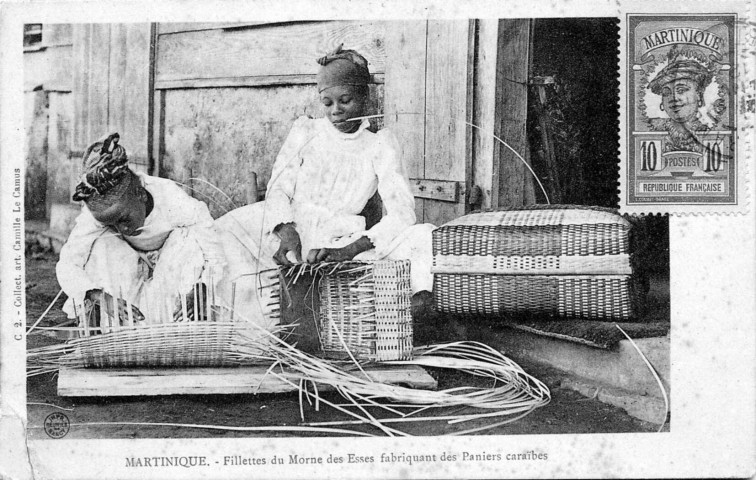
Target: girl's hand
x=317, y=255
x=290, y=242
x=343, y=254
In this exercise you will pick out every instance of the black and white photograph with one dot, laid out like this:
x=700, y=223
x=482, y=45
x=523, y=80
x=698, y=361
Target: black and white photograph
x=337, y=244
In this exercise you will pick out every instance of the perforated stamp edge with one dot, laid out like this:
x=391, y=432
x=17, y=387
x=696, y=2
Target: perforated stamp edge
x=744, y=106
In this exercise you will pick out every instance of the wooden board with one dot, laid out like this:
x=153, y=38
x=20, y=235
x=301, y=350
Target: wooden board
x=158, y=133
x=260, y=81
x=515, y=181
x=222, y=135
x=111, y=85
x=97, y=104
x=36, y=116
x=129, y=87
x=443, y=190
x=55, y=34
x=50, y=68
x=119, y=101
x=81, y=64
x=59, y=162
x=179, y=27
x=136, y=64
x=277, y=49
x=448, y=139
x=405, y=94
x=483, y=110
x=92, y=382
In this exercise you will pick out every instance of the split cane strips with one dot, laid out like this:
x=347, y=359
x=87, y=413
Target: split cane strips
x=513, y=393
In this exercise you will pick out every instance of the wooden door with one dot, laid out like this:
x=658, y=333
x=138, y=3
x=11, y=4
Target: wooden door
x=111, y=85
x=428, y=102
x=513, y=185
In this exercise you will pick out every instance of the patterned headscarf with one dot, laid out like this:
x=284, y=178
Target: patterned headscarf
x=342, y=67
x=105, y=173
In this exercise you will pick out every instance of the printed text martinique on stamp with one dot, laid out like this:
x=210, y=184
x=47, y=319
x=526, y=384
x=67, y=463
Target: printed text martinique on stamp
x=681, y=116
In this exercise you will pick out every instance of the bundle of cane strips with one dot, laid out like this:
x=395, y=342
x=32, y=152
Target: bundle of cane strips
x=513, y=393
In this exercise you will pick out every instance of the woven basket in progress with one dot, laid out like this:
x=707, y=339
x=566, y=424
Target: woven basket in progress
x=566, y=261
x=362, y=308
x=220, y=337
x=190, y=344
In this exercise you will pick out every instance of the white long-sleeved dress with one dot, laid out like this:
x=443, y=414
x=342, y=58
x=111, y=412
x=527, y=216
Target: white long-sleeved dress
x=321, y=180
x=178, y=246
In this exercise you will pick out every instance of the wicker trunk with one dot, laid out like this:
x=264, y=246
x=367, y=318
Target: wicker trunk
x=561, y=261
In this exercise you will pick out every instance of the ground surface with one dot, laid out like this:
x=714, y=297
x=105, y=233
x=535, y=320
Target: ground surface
x=568, y=412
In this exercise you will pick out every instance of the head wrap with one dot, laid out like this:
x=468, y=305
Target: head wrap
x=680, y=68
x=105, y=173
x=342, y=67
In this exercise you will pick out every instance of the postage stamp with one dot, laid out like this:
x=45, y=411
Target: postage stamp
x=683, y=78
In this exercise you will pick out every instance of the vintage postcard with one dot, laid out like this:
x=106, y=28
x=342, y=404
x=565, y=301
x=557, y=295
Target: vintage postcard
x=377, y=240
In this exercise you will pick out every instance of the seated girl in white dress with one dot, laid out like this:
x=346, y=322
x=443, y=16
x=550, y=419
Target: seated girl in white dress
x=142, y=239
x=325, y=174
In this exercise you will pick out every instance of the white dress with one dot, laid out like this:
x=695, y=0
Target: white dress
x=321, y=180
x=178, y=246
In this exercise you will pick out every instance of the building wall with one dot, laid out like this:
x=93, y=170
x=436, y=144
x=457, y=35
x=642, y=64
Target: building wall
x=209, y=105
x=48, y=120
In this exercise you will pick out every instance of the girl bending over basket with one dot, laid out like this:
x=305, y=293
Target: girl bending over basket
x=144, y=241
x=324, y=176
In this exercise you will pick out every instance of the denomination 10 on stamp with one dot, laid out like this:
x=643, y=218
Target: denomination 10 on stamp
x=682, y=119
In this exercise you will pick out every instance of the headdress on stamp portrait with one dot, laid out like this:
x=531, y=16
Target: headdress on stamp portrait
x=105, y=173
x=681, y=68
x=342, y=67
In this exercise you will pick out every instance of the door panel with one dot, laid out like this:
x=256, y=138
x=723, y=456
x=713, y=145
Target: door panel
x=428, y=101
x=448, y=106
x=515, y=182
x=111, y=86
x=405, y=95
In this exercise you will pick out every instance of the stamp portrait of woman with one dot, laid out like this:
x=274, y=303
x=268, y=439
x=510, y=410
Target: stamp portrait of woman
x=681, y=84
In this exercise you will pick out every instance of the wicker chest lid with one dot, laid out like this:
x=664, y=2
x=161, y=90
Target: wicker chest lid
x=537, y=240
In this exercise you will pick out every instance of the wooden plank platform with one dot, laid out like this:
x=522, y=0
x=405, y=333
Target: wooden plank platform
x=95, y=382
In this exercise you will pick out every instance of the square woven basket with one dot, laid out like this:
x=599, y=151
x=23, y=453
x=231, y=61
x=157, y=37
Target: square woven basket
x=360, y=309
x=563, y=261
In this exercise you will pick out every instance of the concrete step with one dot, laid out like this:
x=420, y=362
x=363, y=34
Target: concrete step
x=618, y=376
x=644, y=407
